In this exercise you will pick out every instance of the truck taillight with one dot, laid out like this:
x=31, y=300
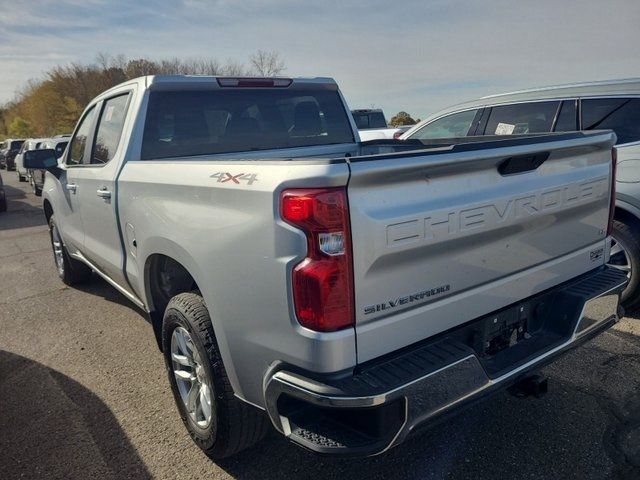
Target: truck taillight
x=323, y=281
x=612, y=202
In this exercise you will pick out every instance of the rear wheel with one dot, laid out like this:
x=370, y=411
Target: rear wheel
x=3, y=204
x=21, y=178
x=625, y=256
x=218, y=422
x=72, y=272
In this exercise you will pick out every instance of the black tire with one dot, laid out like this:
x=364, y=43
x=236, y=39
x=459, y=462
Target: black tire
x=235, y=425
x=21, y=178
x=70, y=271
x=3, y=205
x=628, y=236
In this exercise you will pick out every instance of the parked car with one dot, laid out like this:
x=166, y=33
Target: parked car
x=8, y=152
x=3, y=197
x=611, y=104
x=28, y=144
x=372, y=125
x=346, y=291
x=36, y=177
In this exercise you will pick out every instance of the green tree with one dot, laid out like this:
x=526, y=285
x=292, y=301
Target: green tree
x=53, y=104
x=19, y=127
x=402, y=118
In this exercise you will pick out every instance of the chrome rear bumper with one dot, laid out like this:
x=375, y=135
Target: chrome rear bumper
x=374, y=408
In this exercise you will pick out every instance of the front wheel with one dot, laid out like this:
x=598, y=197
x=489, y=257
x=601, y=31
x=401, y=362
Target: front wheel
x=70, y=271
x=625, y=256
x=218, y=422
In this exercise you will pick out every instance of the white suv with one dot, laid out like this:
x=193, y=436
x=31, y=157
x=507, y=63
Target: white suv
x=613, y=104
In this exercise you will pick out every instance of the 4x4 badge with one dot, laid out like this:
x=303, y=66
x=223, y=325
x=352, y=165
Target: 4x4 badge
x=224, y=177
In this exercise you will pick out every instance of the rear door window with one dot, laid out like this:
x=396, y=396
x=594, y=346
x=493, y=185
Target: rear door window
x=622, y=115
x=521, y=118
x=114, y=112
x=451, y=126
x=201, y=122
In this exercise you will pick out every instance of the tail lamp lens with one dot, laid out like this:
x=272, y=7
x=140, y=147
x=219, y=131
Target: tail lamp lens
x=323, y=281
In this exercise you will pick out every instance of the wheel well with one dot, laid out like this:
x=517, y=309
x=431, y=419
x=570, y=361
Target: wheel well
x=166, y=278
x=626, y=217
x=48, y=211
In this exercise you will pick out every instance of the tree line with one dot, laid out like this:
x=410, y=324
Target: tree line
x=52, y=105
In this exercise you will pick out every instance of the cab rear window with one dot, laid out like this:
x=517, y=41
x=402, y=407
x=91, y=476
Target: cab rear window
x=369, y=120
x=201, y=122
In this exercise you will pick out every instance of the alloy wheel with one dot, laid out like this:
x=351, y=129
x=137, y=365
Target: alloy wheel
x=619, y=258
x=191, y=378
x=58, y=253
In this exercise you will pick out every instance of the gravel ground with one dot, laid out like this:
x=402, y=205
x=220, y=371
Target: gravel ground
x=83, y=394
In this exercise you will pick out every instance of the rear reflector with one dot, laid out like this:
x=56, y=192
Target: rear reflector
x=251, y=82
x=323, y=281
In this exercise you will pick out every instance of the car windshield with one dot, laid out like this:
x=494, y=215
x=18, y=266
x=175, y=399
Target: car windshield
x=16, y=144
x=200, y=122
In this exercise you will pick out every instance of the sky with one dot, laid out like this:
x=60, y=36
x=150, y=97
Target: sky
x=416, y=56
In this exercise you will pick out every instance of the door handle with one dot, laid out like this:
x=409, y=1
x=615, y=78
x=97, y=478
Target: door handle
x=104, y=193
x=72, y=187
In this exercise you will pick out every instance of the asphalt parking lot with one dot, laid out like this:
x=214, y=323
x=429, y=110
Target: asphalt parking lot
x=83, y=394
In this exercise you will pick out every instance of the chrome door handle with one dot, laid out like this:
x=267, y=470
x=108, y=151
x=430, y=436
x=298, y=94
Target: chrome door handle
x=72, y=187
x=104, y=193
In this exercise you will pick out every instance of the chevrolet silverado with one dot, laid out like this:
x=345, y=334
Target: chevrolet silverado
x=343, y=292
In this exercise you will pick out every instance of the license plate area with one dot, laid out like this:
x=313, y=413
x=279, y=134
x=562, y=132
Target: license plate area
x=521, y=331
x=504, y=330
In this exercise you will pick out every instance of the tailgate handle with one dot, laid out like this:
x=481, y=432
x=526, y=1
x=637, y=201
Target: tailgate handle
x=522, y=163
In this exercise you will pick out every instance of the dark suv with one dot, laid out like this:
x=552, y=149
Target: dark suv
x=8, y=151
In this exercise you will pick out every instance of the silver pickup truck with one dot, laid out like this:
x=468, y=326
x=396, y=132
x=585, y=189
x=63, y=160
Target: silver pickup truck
x=345, y=291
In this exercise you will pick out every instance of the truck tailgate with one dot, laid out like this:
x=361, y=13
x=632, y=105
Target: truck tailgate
x=446, y=235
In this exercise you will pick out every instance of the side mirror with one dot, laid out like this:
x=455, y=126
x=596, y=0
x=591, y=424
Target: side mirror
x=40, y=159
